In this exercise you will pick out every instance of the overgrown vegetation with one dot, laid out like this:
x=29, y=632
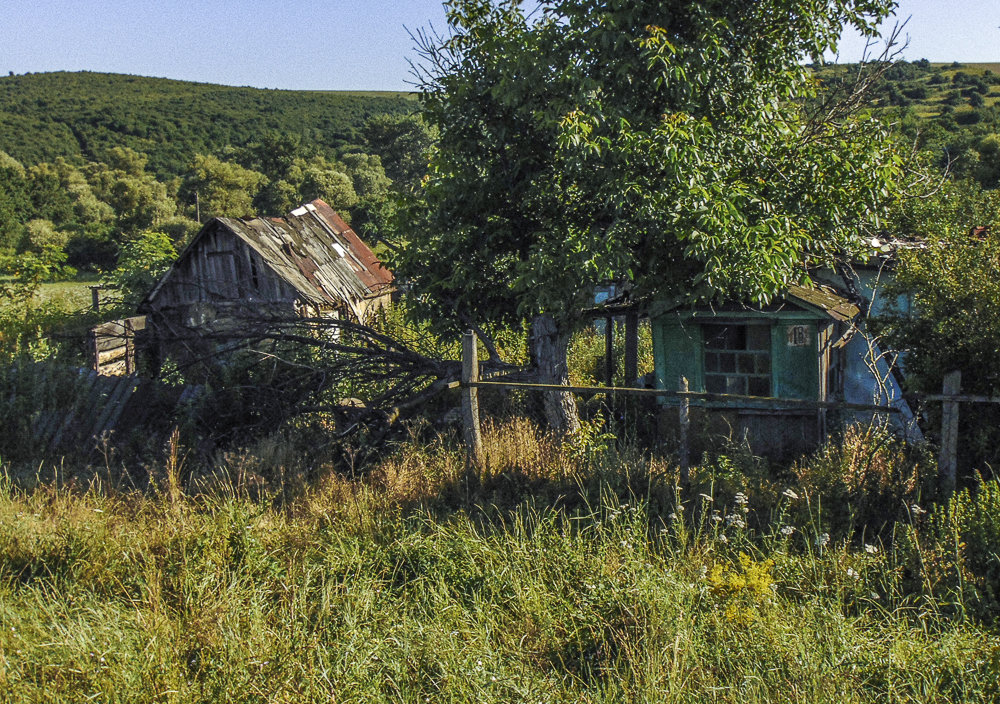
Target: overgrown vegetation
x=559, y=572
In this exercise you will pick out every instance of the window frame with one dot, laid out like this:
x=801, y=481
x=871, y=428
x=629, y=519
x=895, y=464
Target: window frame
x=737, y=358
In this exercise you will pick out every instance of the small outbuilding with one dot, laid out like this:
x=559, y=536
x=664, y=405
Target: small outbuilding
x=309, y=263
x=795, y=348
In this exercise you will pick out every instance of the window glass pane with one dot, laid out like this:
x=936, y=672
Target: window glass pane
x=737, y=359
x=718, y=337
x=736, y=385
x=739, y=337
x=715, y=384
x=762, y=363
x=758, y=337
x=711, y=362
x=727, y=362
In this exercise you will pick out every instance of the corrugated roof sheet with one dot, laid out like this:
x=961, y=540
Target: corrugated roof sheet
x=316, y=252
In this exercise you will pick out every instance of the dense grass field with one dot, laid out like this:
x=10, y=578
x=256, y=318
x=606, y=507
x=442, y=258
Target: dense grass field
x=560, y=571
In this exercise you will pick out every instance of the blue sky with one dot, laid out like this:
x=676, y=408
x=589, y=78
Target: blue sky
x=336, y=44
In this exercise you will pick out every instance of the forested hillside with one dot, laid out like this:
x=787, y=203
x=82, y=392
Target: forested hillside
x=950, y=111
x=81, y=115
x=91, y=164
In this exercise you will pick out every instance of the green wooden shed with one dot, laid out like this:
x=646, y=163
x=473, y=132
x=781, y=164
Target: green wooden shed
x=791, y=349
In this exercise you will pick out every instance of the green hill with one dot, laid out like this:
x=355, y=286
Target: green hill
x=950, y=111
x=81, y=115
x=929, y=89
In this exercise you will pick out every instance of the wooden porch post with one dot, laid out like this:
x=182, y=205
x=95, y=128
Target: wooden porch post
x=609, y=351
x=631, y=347
x=685, y=422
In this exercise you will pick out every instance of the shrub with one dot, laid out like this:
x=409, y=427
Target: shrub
x=955, y=553
x=867, y=477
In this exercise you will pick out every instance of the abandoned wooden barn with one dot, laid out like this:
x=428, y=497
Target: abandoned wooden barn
x=309, y=263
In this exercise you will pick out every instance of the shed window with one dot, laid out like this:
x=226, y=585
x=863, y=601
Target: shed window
x=738, y=359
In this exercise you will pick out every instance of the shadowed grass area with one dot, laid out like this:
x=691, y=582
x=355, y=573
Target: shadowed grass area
x=556, y=573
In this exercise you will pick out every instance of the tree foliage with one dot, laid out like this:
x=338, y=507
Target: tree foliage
x=82, y=115
x=666, y=145
x=952, y=317
x=223, y=188
x=141, y=263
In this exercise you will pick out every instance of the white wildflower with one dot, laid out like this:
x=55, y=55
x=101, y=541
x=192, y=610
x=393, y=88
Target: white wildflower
x=871, y=549
x=716, y=516
x=735, y=519
x=787, y=530
x=723, y=538
x=917, y=511
x=823, y=540
x=789, y=494
x=706, y=497
x=851, y=572
x=741, y=499
x=672, y=516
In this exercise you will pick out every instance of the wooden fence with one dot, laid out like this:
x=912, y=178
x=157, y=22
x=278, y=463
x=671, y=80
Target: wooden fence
x=950, y=397
x=68, y=410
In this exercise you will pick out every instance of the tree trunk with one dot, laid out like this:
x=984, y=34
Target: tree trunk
x=549, y=345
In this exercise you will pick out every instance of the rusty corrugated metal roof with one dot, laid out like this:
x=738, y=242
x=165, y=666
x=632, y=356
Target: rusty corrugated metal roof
x=314, y=251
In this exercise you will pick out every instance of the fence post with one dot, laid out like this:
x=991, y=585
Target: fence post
x=94, y=349
x=685, y=422
x=948, y=458
x=470, y=399
x=631, y=347
x=609, y=351
x=129, y=329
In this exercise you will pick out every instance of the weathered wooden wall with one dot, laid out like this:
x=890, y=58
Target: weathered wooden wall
x=222, y=268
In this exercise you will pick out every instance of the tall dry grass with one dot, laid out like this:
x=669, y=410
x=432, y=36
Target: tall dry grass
x=563, y=570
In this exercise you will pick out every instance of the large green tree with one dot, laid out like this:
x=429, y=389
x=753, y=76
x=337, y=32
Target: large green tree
x=671, y=145
x=223, y=188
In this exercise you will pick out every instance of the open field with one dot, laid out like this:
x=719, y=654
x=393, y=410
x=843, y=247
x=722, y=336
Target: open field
x=67, y=295
x=70, y=295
